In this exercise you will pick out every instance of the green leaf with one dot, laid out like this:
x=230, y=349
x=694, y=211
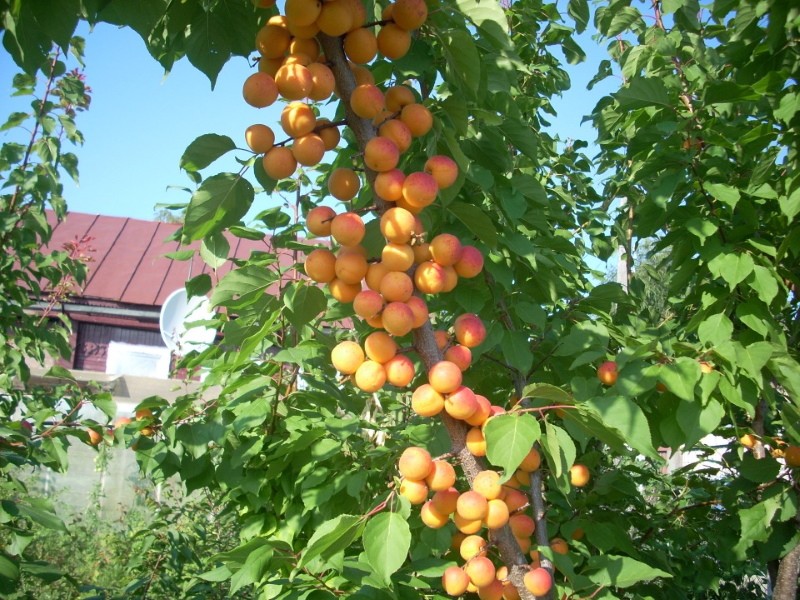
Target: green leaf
x=41, y=512
x=681, y=377
x=490, y=19
x=61, y=373
x=9, y=569
x=242, y=287
x=509, y=438
x=715, y=330
x=761, y=470
x=255, y=568
x=462, y=57
x=476, y=221
x=305, y=302
x=199, y=285
x=753, y=358
x=697, y=419
x=624, y=416
x=222, y=200
x=643, y=92
x=732, y=267
x=332, y=537
x=620, y=571
x=214, y=250
x=790, y=205
x=559, y=448
x=547, y=392
x=726, y=194
x=302, y=353
x=764, y=283
x=387, y=540
x=522, y=136
x=727, y=91
x=204, y=150
x=517, y=350
x=583, y=337
x=180, y=255
x=756, y=523
x=579, y=11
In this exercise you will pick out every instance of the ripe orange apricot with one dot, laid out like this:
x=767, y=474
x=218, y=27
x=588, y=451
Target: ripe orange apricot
x=309, y=47
x=471, y=262
x=272, y=41
x=514, y=499
x=344, y=183
x=748, y=440
x=497, y=514
x=397, y=318
x=487, y=484
x=318, y=221
x=260, y=90
x=429, y=278
x=398, y=96
x=538, y=581
x=416, y=491
x=361, y=45
x=455, y=581
x=259, y=138
x=446, y=249
x=279, y=162
x=375, y=275
x=419, y=190
x=468, y=526
x=351, y=267
x=522, y=525
x=398, y=132
x=308, y=150
x=559, y=546
x=347, y=356
x=443, y=169
x=380, y=346
x=481, y=571
x=343, y=292
x=367, y=304
x=450, y=279
x=358, y=12
x=397, y=225
x=270, y=66
x=389, y=185
x=469, y=330
x=393, y=42
x=335, y=18
x=410, y=14
x=445, y=377
x=298, y=119
x=607, y=372
x=381, y=154
x=532, y=461
x=475, y=442
x=441, y=477
x=461, y=403
x=471, y=505
x=483, y=411
x=294, y=81
x=419, y=311
x=399, y=370
x=472, y=546
x=426, y=401
x=397, y=257
x=397, y=286
x=320, y=265
x=791, y=454
x=328, y=132
x=322, y=81
x=415, y=463
x=418, y=119
x=370, y=376
x=348, y=229
x=445, y=500
x=367, y=101
x=432, y=517
x=579, y=475
x=422, y=252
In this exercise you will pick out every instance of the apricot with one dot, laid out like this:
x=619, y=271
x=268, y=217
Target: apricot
x=272, y=41
x=294, y=81
x=418, y=119
x=380, y=346
x=415, y=463
x=370, y=376
x=322, y=82
x=469, y=330
x=308, y=150
x=475, y=442
x=358, y=13
x=344, y=183
x=487, y=484
x=471, y=262
x=375, y=274
x=416, y=491
x=426, y=401
x=607, y=373
x=748, y=440
x=791, y=455
x=455, y=581
x=259, y=138
x=389, y=185
x=522, y=525
x=410, y=14
x=441, y=477
x=399, y=370
x=481, y=571
x=367, y=101
x=361, y=45
x=308, y=47
x=348, y=229
x=445, y=500
x=419, y=190
x=443, y=169
x=432, y=517
x=270, y=66
x=397, y=286
x=461, y=403
x=397, y=318
x=397, y=225
x=298, y=119
x=351, y=267
x=522, y=477
x=318, y=220
x=579, y=475
x=531, y=461
x=367, y=304
x=559, y=546
x=397, y=257
x=472, y=546
x=361, y=74
x=445, y=377
x=335, y=18
x=95, y=437
x=514, y=499
x=419, y=311
x=347, y=356
x=483, y=411
x=450, y=279
x=493, y=591
x=471, y=505
x=320, y=265
x=260, y=90
x=329, y=133
x=429, y=278
x=397, y=97
x=398, y=132
x=343, y=292
x=393, y=42
x=538, y=581
x=422, y=252
x=442, y=338
x=497, y=515
x=279, y=162
x=468, y=526
x=446, y=249
x=381, y=154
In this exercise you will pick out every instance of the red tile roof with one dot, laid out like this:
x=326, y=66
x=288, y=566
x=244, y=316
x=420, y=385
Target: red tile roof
x=128, y=257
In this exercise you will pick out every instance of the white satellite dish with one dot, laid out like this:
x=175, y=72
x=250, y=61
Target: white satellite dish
x=176, y=318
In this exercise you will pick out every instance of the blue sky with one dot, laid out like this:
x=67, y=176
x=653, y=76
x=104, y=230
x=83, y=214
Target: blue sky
x=140, y=121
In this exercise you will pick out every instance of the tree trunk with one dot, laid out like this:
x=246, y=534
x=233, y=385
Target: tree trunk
x=788, y=572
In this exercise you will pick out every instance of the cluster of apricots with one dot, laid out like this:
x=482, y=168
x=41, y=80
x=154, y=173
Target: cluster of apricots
x=389, y=292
